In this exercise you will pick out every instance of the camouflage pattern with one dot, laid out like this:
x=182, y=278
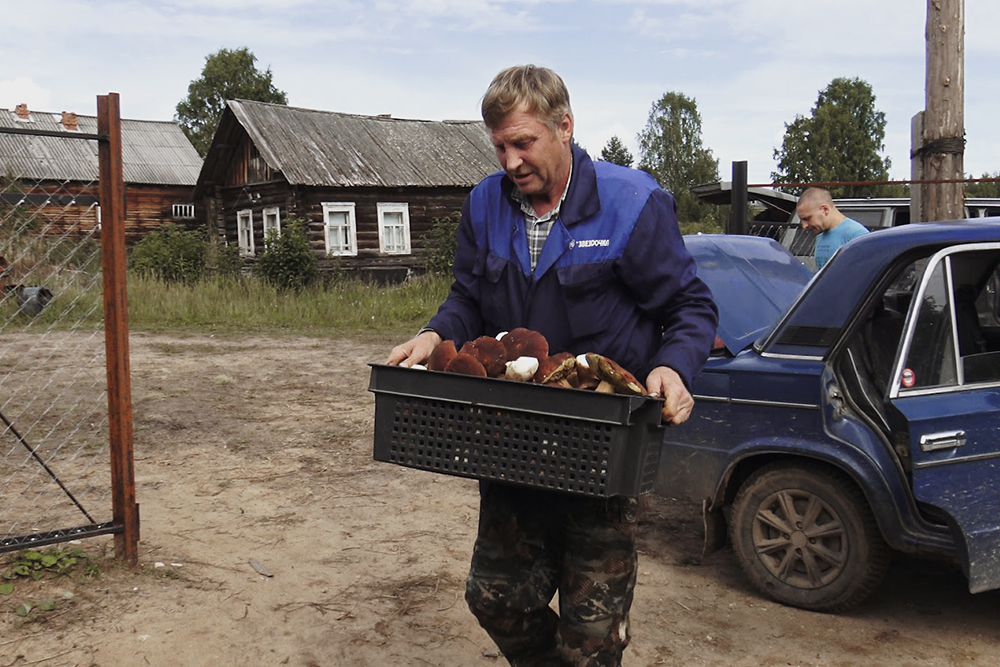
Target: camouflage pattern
x=532, y=544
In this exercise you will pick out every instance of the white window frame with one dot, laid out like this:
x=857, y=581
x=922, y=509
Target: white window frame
x=383, y=229
x=352, y=228
x=272, y=213
x=244, y=231
x=183, y=211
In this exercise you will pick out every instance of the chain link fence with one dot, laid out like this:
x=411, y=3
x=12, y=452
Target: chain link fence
x=57, y=450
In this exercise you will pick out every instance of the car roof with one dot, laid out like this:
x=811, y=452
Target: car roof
x=815, y=320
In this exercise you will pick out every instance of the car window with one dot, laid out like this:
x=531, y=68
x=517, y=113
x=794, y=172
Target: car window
x=930, y=361
x=956, y=337
x=901, y=216
x=870, y=218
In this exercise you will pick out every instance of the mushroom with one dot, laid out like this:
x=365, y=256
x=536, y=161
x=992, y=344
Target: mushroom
x=490, y=352
x=585, y=378
x=521, y=342
x=608, y=371
x=555, y=369
x=442, y=353
x=521, y=369
x=465, y=364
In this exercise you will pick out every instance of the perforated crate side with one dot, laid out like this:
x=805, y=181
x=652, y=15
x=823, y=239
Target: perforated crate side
x=517, y=446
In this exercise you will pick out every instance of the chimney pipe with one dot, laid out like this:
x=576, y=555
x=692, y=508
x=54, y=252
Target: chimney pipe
x=22, y=112
x=69, y=121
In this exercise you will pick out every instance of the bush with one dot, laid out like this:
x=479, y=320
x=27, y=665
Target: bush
x=442, y=242
x=171, y=254
x=287, y=261
x=226, y=260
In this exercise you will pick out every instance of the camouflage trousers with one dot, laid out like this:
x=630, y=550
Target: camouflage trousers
x=532, y=544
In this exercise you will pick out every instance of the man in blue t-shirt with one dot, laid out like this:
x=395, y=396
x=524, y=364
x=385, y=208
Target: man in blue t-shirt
x=819, y=215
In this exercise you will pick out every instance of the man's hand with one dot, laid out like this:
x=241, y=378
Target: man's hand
x=678, y=402
x=414, y=351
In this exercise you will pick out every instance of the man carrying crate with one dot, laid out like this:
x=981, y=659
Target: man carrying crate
x=590, y=255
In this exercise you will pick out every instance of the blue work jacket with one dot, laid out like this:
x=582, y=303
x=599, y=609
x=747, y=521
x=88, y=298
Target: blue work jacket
x=613, y=277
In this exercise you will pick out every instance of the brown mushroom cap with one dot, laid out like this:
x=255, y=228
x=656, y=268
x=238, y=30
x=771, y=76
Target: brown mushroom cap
x=442, y=353
x=465, y=364
x=521, y=342
x=554, y=369
x=490, y=352
x=610, y=372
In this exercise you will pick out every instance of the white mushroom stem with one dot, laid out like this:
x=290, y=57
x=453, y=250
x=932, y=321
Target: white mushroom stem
x=501, y=335
x=581, y=360
x=521, y=369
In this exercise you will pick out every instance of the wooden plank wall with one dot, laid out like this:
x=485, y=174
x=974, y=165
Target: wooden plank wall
x=146, y=208
x=306, y=203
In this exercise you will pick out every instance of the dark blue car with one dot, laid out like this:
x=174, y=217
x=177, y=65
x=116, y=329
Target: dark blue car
x=848, y=414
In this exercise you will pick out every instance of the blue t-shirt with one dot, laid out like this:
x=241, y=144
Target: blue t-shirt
x=827, y=242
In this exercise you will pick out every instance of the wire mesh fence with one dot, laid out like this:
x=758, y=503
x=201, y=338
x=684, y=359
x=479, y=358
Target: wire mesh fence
x=57, y=479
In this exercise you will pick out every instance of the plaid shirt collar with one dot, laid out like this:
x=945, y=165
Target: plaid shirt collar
x=538, y=227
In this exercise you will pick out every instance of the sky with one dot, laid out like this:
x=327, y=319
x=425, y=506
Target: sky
x=752, y=66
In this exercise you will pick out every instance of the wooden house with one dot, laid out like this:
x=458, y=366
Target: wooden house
x=369, y=188
x=57, y=177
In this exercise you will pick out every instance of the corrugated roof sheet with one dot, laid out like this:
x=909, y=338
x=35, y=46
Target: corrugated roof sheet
x=334, y=149
x=153, y=152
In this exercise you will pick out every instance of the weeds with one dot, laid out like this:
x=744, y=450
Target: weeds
x=29, y=566
x=179, y=281
x=339, y=306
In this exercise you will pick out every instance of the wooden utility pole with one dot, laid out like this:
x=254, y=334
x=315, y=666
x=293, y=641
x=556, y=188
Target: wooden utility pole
x=938, y=133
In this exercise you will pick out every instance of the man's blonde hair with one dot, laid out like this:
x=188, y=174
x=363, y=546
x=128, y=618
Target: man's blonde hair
x=540, y=90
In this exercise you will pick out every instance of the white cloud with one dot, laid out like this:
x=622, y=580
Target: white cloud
x=25, y=91
x=752, y=65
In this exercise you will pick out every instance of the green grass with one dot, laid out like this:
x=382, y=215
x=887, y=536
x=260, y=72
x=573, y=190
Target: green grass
x=343, y=307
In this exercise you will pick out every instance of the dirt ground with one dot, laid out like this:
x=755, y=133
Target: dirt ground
x=253, y=458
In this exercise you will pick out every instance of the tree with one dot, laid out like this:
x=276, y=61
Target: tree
x=839, y=142
x=989, y=189
x=228, y=75
x=616, y=152
x=670, y=149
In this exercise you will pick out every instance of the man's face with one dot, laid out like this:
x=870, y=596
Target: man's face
x=534, y=157
x=813, y=216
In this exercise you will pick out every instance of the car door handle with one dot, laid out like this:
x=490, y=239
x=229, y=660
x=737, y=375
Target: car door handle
x=932, y=442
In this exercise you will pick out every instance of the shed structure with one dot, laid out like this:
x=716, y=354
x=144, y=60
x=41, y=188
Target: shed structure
x=368, y=188
x=57, y=176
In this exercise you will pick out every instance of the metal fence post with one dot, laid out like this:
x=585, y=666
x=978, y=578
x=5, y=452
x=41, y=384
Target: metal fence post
x=738, y=200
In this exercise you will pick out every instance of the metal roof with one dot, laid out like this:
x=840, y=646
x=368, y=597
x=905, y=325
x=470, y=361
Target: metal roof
x=153, y=152
x=324, y=148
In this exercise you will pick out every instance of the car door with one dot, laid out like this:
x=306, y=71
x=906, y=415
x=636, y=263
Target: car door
x=947, y=387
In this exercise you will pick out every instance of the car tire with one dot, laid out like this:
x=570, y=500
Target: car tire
x=805, y=536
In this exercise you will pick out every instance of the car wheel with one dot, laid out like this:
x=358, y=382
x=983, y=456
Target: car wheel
x=805, y=536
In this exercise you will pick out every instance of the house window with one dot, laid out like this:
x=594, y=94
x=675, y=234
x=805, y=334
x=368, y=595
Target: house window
x=272, y=221
x=183, y=211
x=244, y=231
x=340, y=229
x=394, y=228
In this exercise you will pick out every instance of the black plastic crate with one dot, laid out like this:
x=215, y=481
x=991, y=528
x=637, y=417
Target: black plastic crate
x=546, y=437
